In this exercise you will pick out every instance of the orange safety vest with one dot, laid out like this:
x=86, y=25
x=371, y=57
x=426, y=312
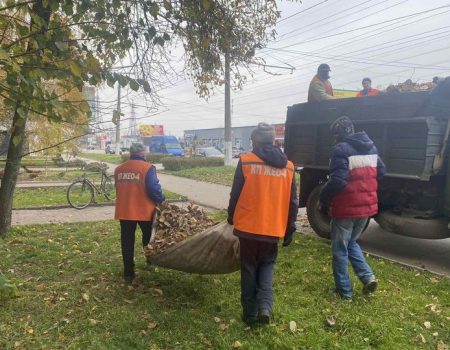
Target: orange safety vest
x=132, y=202
x=371, y=92
x=263, y=205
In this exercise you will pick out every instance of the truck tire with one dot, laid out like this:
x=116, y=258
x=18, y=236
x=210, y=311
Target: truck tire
x=319, y=222
x=408, y=225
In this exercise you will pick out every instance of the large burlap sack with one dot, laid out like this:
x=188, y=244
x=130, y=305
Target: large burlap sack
x=213, y=251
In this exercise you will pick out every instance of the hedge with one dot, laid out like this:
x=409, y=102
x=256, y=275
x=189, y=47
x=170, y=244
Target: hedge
x=179, y=163
x=150, y=157
x=96, y=166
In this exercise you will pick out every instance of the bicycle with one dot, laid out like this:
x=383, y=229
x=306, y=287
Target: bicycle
x=83, y=191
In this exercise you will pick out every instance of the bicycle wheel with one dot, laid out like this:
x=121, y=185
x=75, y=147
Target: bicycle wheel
x=110, y=189
x=80, y=194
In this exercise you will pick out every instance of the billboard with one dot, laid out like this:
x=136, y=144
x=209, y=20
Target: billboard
x=340, y=93
x=148, y=130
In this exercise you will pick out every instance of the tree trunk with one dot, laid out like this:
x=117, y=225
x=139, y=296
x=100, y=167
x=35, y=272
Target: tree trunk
x=17, y=140
x=12, y=168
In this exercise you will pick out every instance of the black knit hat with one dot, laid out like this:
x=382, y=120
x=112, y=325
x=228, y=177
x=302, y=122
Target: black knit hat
x=342, y=127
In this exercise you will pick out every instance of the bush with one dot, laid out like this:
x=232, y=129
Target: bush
x=75, y=163
x=125, y=156
x=156, y=157
x=96, y=166
x=178, y=163
x=150, y=157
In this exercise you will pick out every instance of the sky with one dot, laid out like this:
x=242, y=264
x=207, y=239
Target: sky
x=389, y=41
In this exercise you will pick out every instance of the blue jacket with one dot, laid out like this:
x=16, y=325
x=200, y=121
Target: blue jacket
x=152, y=186
x=355, y=169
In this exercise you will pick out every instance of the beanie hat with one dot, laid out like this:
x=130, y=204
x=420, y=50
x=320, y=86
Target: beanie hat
x=137, y=148
x=263, y=133
x=342, y=127
x=367, y=79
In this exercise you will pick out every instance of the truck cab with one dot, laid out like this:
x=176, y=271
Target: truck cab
x=166, y=145
x=411, y=131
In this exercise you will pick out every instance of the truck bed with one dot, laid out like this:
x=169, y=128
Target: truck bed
x=408, y=129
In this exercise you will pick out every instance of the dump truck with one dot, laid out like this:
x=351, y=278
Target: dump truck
x=411, y=131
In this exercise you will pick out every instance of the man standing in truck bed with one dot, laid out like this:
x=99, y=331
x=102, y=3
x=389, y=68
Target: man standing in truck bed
x=351, y=196
x=320, y=88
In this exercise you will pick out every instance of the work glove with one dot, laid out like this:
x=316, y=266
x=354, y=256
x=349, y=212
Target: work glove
x=289, y=235
x=230, y=220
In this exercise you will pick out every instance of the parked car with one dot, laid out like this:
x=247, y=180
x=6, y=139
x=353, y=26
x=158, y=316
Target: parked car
x=208, y=152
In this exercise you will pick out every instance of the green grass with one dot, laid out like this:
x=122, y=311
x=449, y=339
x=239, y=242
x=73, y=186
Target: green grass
x=107, y=158
x=39, y=162
x=55, y=196
x=220, y=175
x=72, y=297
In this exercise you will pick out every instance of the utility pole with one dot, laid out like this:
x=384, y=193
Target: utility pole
x=118, y=121
x=227, y=111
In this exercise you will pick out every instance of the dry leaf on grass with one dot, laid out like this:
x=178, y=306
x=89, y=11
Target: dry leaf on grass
x=330, y=321
x=237, y=344
x=293, y=326
x=422, y=338
x=85, y=296
x=223, y=327
x=427, y=324
x=216, y=319
x=152, y=325
x=441, y=345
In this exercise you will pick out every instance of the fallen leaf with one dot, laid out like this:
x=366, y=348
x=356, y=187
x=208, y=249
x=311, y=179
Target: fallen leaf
x=30, y=330
x=17, y=344
x=435, y=334
x=156, y=292
x=128, y=301
x=422, y=338
x=93, y=322
x=223, y=327
x=216, y=319
x=330, y=321
x=85, y=296
x=441, y=345
x=237, y=344
x=427, y=324
x=152, y=325
x=293, y=326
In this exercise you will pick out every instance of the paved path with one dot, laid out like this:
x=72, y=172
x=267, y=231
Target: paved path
x=433, y=255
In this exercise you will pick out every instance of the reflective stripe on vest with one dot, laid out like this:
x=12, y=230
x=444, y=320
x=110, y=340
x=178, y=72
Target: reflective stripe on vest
x=132, y=202
x=263, y=205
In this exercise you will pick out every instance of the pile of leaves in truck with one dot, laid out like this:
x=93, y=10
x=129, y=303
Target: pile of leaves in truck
x=175, y=224
x=409, y=86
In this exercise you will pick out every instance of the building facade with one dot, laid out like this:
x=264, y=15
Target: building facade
x=240, y=137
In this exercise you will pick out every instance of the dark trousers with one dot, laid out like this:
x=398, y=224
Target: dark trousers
x=257, y=263
x=127, y=239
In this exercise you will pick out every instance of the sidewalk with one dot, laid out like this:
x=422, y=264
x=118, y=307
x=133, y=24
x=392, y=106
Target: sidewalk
x=205, y=194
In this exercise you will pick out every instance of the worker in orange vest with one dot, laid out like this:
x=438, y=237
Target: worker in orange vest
x=367, y=88
x=320, y=88
x=263, y=208
x=138, y=191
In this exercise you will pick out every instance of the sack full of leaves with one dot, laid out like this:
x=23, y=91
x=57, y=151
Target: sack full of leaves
x=185, y=239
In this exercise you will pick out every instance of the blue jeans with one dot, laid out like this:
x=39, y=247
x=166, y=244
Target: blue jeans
x=344, y=233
